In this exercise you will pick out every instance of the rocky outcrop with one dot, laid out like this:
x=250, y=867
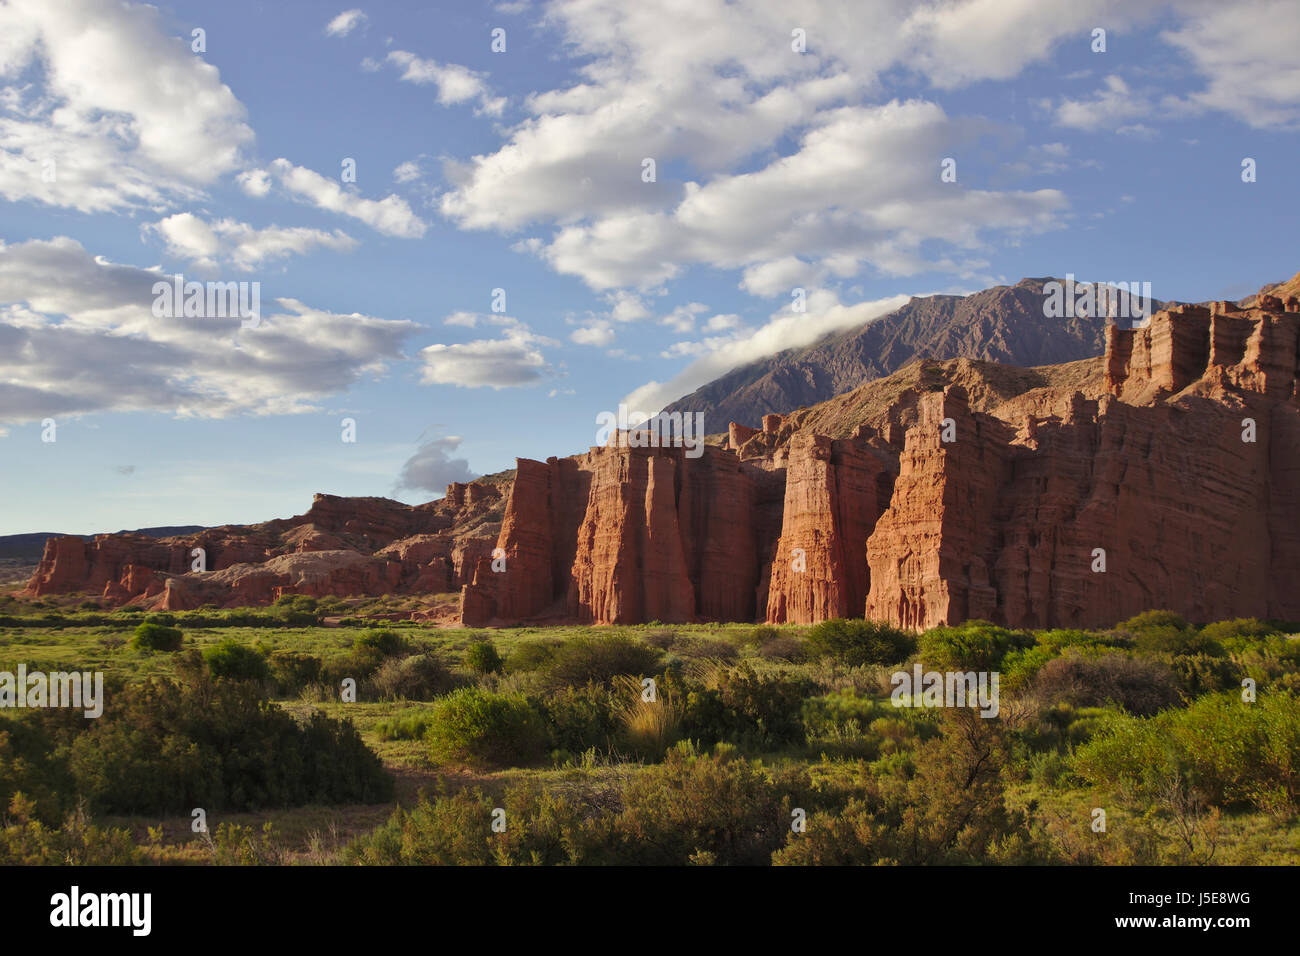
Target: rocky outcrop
x=1165, y=475
x=406, y=549
x=1178, y=489
x=623, y=535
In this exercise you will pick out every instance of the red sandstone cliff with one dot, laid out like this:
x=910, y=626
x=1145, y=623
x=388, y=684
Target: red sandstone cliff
x=944, y=492
x=341, y=546
x=937, y=508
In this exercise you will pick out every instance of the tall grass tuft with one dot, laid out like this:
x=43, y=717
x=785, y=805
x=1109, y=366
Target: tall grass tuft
x=649, y=727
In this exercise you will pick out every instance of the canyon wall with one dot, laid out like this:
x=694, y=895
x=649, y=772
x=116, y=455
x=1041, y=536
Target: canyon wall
x=1177, y=485
x=1165, y=473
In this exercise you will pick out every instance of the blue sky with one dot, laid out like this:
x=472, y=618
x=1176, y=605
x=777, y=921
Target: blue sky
x=522, y=170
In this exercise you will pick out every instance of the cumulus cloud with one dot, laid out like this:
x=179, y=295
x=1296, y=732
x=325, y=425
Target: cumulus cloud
x=708, y=88
x=210, y=244
x=512, y=360
x=455, y=84
x=598, y=332
x=1246, y=52
x=432, y=468
x=1107, y=108
x=391, y=216
x=346, y=22
x=859, y=191
x=717, y=355
x=78, y=335
x=104, y=110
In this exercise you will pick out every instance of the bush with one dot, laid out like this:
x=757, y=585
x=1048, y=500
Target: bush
x=1230, y=751
x=973, y=646
x=736, y=705
x=1141, y=687
x=477, y=727
x=482, y=658
x=1164, y=632
x=292, y=671
x=231, y=660
x=856, y=642
x=386, y=643
x=1240, y=634
x=704, y=809
x=150, y=636
x=167, y=747
x=578, y=718
x=531, y=656
x=418, y=677
x=600, y=659
x=360, y=664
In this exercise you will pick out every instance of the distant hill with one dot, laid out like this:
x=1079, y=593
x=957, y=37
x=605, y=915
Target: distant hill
x=1005, y=324
x=31, y=546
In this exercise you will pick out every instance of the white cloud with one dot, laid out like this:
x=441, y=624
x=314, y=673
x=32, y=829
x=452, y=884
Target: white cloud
x=209, y=244
x=455, y=83
x=407, y=172
x=120, y=114
x=78, y=335
x=598, y=333
x=862, y=190
x=1106, y=108
x=255, y=182
x=717, y=355
x=511, y=361
x=346, y=22
x=392, y=215
x=1246, y=51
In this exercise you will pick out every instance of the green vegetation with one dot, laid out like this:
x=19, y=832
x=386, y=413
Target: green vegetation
x=681, y=744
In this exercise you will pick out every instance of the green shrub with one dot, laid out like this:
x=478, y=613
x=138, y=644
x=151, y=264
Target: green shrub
x=1238, y=634
x=477, y=727
x=150, y=636
x=292, y=670
x=702, y=808
x=167, y=747
x=1140, y=686
x=739, y=706
x=578, y=718
x=972, y=646
x=418, y=677
x=1164, y=632
x=1230, y=751
x=27, y=842
x=856, y=642
x=359, y=664
x=531, y=656
x=387, y=643
x=600, y=659
x=234, y=661
x=482, y=658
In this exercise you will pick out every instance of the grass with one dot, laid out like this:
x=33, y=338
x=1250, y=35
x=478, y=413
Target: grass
x=853, y=734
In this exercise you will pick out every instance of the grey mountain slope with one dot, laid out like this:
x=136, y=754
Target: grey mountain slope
x=1005, y=324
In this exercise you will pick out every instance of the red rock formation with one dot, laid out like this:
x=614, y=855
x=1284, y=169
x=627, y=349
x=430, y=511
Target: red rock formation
x=426, y=544
x=1003, y=514
x=831, y=504
x=1164, y=474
